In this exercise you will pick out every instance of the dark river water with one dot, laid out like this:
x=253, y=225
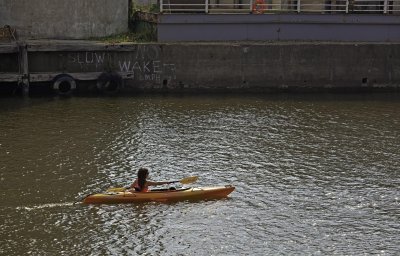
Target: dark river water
x=314, y=174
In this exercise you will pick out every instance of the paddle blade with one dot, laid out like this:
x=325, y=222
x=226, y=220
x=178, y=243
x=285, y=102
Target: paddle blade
x=116, y=189
x=189, y=180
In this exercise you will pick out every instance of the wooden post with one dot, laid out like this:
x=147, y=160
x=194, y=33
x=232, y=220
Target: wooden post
x=385, y=7
x=23, y=51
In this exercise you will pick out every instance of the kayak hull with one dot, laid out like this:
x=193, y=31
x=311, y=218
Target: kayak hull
x=160, y=196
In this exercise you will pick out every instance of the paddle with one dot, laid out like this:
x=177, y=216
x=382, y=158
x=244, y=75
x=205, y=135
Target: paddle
x=186, y=180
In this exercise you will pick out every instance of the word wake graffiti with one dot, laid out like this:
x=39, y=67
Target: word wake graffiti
x=148, y=70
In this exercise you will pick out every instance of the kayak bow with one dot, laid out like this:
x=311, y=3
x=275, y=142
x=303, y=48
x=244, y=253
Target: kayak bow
x=160, y=195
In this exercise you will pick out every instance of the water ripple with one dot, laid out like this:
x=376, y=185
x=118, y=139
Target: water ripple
x=312, y=175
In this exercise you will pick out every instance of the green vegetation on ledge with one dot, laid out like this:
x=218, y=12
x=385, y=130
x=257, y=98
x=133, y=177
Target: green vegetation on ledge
x=139, y=37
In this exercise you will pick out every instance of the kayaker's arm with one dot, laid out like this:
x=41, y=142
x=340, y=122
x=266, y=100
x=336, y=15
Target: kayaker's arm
x=155, y=183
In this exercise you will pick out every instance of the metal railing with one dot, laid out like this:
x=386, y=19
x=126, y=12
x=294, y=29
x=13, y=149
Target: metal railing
x=278, y=6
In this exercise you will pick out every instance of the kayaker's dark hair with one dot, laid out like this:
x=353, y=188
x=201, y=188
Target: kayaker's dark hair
x=142, y=175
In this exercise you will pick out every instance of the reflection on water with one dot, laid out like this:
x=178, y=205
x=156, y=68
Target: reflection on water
x=314, y=174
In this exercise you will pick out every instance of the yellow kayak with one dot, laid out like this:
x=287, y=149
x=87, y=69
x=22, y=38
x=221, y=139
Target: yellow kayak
x=160, y=195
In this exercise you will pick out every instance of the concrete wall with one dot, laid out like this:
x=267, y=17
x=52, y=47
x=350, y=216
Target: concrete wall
x=227, y=66
x=65, y=19
x=321, y=27
x=284, y=65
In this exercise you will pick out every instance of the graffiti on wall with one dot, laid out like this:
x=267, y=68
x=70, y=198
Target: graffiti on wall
x=8, y=33
x=86, y=59
x=148, y=70
x=141, y=62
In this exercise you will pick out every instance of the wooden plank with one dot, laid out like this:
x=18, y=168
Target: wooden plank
x=46, y=77
x=66, y=46
x=87, y=76
x=10, y=77
x=8, y=48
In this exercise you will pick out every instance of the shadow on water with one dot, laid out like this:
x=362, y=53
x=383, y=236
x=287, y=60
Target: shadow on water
x=15, y=103
x=12, y=103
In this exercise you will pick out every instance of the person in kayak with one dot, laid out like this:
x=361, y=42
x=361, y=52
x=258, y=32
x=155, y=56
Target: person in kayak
x=141, y=184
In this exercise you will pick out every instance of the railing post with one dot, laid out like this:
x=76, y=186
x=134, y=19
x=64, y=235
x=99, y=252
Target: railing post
x=347, y=6
x=298, y=6
x=251, y=6
x=161, y=6
x=385, y=6
x=206, y=6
